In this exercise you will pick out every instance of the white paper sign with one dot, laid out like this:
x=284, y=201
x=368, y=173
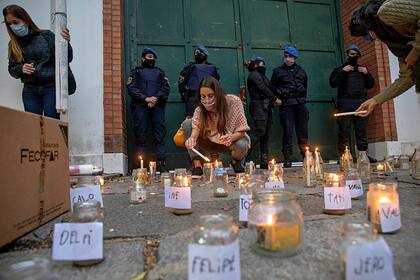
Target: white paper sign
x=77, y=241
x=356, y=188
x=86, y=193
x=369, y=261
x=390, y=216
x=337, y=198
x=274, y=185
x=214, y=262
x=245, y=201
x=178, y=197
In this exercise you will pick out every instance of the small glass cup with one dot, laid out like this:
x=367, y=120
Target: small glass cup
x=220, y=184
x=215, y=230
x=404, y=162
x=166, y=179
x=152, y=169
x=250, y=168
x=208, y=172
x=334, y=180
x=36, y=268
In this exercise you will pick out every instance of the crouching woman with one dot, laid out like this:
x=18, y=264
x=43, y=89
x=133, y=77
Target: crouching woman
x=218, y=125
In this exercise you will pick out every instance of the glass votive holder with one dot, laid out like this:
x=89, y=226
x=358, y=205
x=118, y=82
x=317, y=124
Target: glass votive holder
x=271, y=164
x=354, y=181
x=275, y=220
x=335, y=199
x=36, y=268
x=217, y=164
x=404, y=162
x=250, y=168
x=208, y=172
x=165, y=179
x=380, y=169
x=182, y=181
x=241, y=179
x=214, y=230
x=220, y=184
x=152, y=169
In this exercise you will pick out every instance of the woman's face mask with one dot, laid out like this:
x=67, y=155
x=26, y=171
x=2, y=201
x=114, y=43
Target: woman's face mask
x=20, y=29
x=207, y=98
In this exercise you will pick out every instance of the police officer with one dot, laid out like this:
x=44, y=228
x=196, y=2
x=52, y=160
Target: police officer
x=191, y=76
x=351, y=80
x=262, y=100
x=149, y=90
x=290, y=83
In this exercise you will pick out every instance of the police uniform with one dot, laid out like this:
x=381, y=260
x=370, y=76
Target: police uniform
x=290, y=84
x=352, y=89
x=146, y=82
x=190, y=78
x=260, y=107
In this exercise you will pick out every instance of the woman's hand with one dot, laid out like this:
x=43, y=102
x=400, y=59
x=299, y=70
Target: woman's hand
x=66, y=34
x=28, y=68
x=190, y=143
x=368, y=106
x=226, y=140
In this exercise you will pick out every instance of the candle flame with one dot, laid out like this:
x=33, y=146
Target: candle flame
x=140, y=158
x=307, y=149
x=316, y=149
x=207, y=159
x=270, y=219
x=273, y=161
x=384, y=199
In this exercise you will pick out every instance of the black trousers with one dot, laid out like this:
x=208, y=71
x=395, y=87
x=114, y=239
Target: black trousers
x=262, y=115
x=294, y=118
x=345, y=125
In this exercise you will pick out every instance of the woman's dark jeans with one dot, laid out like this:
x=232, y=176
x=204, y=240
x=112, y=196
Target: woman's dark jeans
x=40, y=100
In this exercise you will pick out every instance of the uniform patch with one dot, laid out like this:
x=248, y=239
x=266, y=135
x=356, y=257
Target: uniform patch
x=181, y=79
x=129, y=81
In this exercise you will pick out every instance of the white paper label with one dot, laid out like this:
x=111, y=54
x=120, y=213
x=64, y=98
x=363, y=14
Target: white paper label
x=214, y=262
x=274, y=185
x=390, y=216
x=86, y=193
x=245, y=201
x=337, y=198
x=178, y=197
x=356, y=187
x=369, y=261
x=77, y=241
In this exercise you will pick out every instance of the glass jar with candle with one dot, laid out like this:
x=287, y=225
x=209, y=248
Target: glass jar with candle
x=216, y=229
x=309, y=175
x=404, y=162
x=378, y=195
x=363, y=167
x=353, y=175
x=250, y=168
x=181, y=181
x=152, y=170
x=380, y=169
x=271, y=164
x=276, y=173
x=415, y=164
x=36, y=268
x=275, y=220
x=354, y=234
x=138, y=192
x=335, y=180
x=87, y=212
x=208, y=172
x=217, y=164
x=165, y=179
x=86, y=181
x=220, y=184
x=241, y=180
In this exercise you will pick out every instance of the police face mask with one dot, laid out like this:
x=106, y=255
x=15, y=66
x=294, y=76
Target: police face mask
x=353, y=60
x=20, y=29
x=209, y=103
x=148, y=63
x=200, y=57
x=289, y=61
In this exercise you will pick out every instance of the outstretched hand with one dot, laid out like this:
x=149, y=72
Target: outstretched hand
x=368, y=106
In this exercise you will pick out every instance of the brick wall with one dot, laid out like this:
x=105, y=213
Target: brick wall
x=114, y=104
x=382, y=126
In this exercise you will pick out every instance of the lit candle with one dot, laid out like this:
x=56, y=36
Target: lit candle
x=308, y=167
x=271, y=164
x=380, y=169
x=335, y=200
x=141, y=162
x=152, y=169
x=318, y=164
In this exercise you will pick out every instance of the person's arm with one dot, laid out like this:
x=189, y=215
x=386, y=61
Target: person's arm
x=133, y=90
x=262, y=87
x=337, y=77
x=163, y=93
x=369, y=80
x=191, y=142
x=15, y=69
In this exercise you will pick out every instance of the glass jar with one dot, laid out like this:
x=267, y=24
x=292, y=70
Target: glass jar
x=319, y=166
x=216, y=229
x=152, y=170
x=334, y=180
x=36, y=268
x=378, y=193
x=415, y=165
x=404, y=162
x=208, y=172
x=250, y=168
x=217, y=164
x=363, y=167
x=380, y=169
x=275, y=220
x=242, y=180
x=309, y=175
x=354, y=234
x=87, y=212
x=347, y=159
x=220, y=184
x=165, y=179
x=271, y=164
x=182, y=181
x=86, y=181
x=276, y=173
x=138, y=193
x=353, y=175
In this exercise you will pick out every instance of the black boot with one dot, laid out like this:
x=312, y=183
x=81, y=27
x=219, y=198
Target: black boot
x=238, y=165
x=372, y=159
x=162, y=166
x=287, y=161
x=264, y=161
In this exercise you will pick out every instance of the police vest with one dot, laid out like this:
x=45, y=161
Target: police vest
x=198, y=72
x=149, y=80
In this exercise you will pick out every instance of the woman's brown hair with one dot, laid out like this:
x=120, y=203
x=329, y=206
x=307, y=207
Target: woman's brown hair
x=15, y=50
x=220, y=105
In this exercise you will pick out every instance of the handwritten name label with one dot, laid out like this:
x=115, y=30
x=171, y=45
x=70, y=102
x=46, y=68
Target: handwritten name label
x=245, y=201
x=77, y=241
x=369, y=261
x=337, y=198
x=86, y=193
x=390, y=216
x=274, y=185
x=214, y=262
x=179, y=198
x=355, y=187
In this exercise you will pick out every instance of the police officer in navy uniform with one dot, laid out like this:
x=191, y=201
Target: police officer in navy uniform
x=149, y=90
x=260, y=107
x=191, y=76
x=352, y=81
x=290, y=83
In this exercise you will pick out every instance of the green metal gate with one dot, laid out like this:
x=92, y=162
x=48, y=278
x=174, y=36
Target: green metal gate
x=234, y=31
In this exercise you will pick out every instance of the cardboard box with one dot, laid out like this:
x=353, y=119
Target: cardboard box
x=34, y=172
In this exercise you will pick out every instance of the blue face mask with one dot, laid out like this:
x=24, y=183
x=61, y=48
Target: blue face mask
x=20, y=30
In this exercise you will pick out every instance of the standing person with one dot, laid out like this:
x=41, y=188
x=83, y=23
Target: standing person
x=290, y=82
x=149, y=90
x=32, y=60
x=191, y=76
x=397, y=24
x=262, y=101
x=218, y=125
x=352, y=81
